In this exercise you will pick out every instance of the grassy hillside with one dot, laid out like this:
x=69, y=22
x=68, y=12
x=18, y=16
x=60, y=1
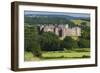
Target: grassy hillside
x=78, y=22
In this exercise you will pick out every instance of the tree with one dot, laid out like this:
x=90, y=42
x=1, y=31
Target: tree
x=31, y=40
x=86, y=33
x=84, y=39
x=50, y=42
x=84, y=43
x=84, y=24
x=69, y=43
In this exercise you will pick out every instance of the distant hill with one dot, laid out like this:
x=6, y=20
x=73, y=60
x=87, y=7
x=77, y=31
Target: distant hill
x=51, y=19
x=62, y=16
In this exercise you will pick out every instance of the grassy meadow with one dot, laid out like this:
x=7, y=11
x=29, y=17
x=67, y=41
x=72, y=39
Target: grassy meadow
x=67, y=54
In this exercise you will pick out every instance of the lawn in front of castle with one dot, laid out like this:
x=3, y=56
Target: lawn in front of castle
x=82, y=53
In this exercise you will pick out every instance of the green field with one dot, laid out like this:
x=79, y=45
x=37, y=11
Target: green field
x=78, y=22
x=67, y=54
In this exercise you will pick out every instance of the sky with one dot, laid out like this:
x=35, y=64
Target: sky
x=57, y=13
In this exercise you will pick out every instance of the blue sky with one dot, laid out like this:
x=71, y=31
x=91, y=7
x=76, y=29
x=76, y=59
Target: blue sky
x=57, y=13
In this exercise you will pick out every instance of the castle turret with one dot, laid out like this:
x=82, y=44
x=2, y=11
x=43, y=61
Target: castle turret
x=78, y=31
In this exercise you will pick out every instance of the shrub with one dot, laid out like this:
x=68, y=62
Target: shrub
x=84, y=43
x=50, y=42
x=69, y=43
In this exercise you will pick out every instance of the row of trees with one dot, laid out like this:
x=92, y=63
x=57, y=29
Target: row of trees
x=47, y=20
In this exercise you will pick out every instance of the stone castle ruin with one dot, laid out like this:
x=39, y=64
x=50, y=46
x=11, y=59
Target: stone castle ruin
x=61, y=30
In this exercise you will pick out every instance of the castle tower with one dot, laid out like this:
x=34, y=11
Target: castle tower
x=56, y=31
x=78, y=31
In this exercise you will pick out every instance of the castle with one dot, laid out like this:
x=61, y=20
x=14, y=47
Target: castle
x=61, y=30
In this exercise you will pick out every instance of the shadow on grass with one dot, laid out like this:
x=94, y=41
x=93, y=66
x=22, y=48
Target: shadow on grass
x=62, y=57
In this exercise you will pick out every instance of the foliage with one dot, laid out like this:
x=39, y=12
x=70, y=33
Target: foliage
x=48, y=20
x=85, y=33
x=84, y=43
x=84, y=39
x=31, y=40
x=69, y=43
x=50, y=42
x=83, y=24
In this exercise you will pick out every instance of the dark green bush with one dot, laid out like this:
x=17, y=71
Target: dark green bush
x=84, y=43
x=69, y=43
x=50, y=42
